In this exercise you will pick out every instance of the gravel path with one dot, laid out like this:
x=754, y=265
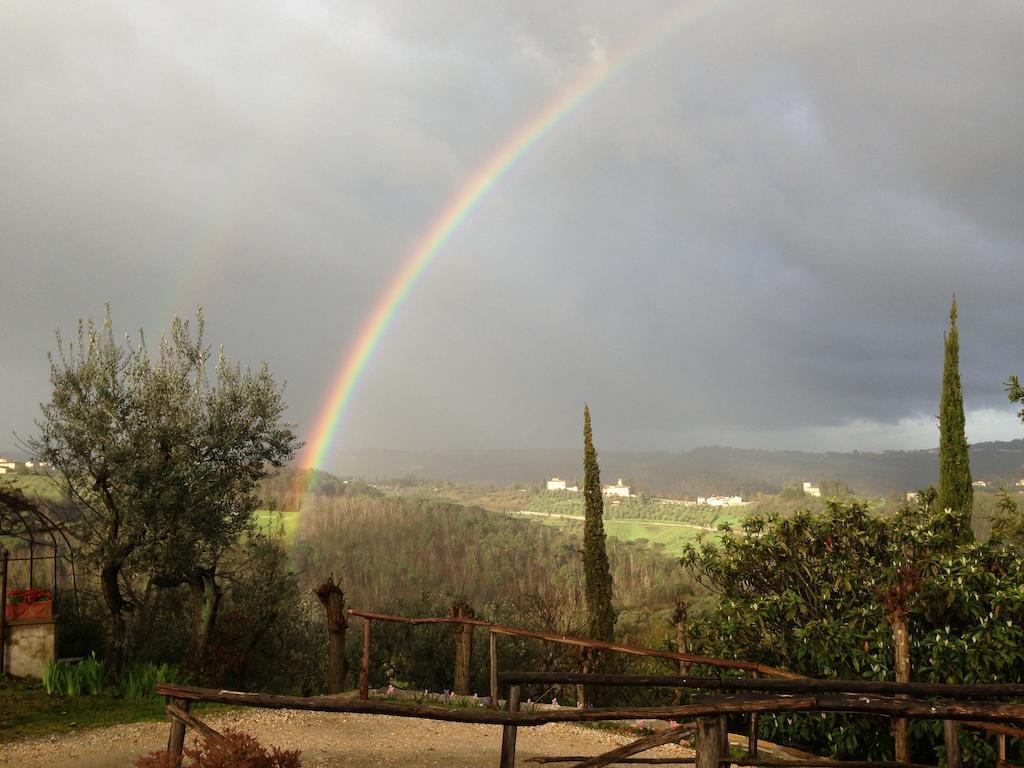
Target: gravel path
x=328, y=741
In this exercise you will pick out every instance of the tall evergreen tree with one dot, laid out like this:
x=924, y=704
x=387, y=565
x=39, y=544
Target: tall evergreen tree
x=955, y=490
x=596, y=572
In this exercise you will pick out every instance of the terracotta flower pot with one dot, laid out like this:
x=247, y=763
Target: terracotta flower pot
x=23, y=611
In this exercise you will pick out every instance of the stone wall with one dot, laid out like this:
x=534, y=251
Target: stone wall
x=30, y=645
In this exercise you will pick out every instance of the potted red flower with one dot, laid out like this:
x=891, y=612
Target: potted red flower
x=33, y=603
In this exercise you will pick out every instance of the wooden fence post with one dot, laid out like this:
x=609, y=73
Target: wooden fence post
x=951, y=735
x=364, y=665
x=4, y=555
x=494, y=670
x=1001, y=754
x=460, y=609
x=752, y=733
x=709, y=743
x=176, y=739
x=333, y=600
x=508, y=732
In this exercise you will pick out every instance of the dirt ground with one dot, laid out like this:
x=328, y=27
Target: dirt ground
x=328, y=741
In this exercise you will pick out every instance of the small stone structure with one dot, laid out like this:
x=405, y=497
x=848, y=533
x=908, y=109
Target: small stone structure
x=30, y=645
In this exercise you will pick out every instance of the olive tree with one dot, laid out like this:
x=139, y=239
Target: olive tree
x=161, y=452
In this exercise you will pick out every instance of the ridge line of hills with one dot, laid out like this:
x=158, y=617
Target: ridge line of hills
x=704, y=471
x=709, y=470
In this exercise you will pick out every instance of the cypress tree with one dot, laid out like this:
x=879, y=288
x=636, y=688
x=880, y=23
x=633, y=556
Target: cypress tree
x=596, y=572
x=955, y=490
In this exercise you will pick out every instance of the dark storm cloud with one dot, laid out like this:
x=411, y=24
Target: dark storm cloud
x=748, y=236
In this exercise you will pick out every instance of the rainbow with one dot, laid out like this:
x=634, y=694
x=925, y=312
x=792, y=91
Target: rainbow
x=353, y=364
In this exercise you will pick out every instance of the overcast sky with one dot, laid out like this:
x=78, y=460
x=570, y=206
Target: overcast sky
x=747, y=236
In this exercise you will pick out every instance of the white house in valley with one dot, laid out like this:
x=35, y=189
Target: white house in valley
x=616, y=490
x=721, y=501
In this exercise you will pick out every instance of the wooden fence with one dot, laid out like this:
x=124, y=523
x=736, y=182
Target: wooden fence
x=767, y=690
x=495, y=630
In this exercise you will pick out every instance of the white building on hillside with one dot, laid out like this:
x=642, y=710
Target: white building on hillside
x=554, y=484
x=720, y=501
x=811, y=490
x=616, y=490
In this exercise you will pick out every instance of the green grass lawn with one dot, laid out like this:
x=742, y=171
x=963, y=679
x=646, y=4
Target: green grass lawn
x=27, y=711
x=36, y=486
x=272, y=522
x=672, y=537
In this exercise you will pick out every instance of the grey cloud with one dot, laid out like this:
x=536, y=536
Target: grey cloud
x=752, y=232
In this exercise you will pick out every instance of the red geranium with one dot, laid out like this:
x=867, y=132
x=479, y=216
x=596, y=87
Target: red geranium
x=33, y=595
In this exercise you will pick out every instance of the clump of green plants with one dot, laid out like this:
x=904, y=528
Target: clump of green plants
x=62, y=679
x=139, y=680
x=92, y=673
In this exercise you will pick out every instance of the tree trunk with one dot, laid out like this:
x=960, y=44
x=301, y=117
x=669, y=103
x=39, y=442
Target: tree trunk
x=333, y=600
x=679, y=620
x=901, y=646
x=463, y=646
x=114, y=658
x=206, y=596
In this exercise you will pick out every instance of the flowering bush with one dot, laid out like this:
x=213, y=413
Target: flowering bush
x=34, y=595
x=234, y=750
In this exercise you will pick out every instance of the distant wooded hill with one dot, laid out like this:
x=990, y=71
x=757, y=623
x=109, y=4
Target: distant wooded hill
x=385, y=549
x=702, y=471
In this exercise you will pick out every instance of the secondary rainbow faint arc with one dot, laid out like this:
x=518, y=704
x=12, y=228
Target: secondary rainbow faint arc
x=354, y=363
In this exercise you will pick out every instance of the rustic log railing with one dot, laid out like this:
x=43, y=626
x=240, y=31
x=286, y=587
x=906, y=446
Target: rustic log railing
x=766, y=690
x=494, y=630
x=845, y=688
x=709, y=712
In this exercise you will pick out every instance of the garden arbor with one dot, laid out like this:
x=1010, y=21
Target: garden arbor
x=35, y=552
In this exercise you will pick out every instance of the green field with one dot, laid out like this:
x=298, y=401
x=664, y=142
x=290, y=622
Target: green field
x=671, y=538
x=276, y=522
x=668, y=537
x=35, y=486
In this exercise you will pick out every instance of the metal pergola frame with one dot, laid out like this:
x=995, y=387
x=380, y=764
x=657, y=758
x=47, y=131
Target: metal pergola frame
x=23, y=520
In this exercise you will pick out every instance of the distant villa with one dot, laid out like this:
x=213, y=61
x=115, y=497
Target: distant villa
x=557, y=484
x=721, y=501
x=616, y=490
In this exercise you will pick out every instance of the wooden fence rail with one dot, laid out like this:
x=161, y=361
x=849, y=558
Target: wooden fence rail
x=805, y=685
x=933, y=709
x=802, y=685
x=708, y=712
x=580, y=642
x=765, y=690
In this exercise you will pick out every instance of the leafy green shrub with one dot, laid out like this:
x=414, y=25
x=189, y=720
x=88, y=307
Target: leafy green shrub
x=70, y=680
x=234, y=750
x=91, y=672
x=63, y=679
x=810, y=593
x=139, y=680
x=51, y=677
